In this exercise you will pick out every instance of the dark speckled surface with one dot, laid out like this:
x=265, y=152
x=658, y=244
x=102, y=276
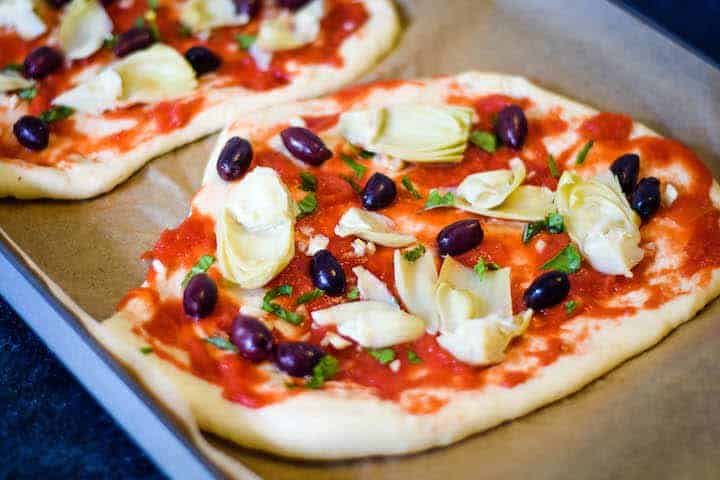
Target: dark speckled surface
x=51, y=427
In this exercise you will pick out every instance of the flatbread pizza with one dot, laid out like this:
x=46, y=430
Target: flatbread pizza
x=401, y=265
x=91, y=90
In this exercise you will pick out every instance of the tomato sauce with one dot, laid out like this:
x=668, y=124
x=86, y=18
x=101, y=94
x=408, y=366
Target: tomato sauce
x=697, y=236
x=238, y=69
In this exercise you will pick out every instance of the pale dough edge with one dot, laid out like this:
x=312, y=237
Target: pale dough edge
x=88, y=179
x=358, y=426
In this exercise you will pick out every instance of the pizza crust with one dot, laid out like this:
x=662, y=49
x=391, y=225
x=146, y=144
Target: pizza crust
x=92, y=177
x=336, y=423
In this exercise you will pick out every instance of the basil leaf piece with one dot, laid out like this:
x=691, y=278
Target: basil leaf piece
x=407, y=183
x=413, y=357
x=13, y=67
x=482, y=266
x=202, y=266
x=352, y=183
x=532, y=229
x=552, y=166
x=184, y=30
x=366, y=154
x=58, y=112
x=356, y=167
x=570, y=306
x=245, y=41
x=436, y=200
x=485, y=140
x=382, y=355
x=327, y=368
x=146, y=350
x=276, y=309
x=308, y=182
x=221, y=342
x=555, y=223
x=568, y=260
x=583, y=152
x=309, y=296
x=414, y=254
x=28, y=93
x=353, y=294
x=307, y=205
x=153, y=4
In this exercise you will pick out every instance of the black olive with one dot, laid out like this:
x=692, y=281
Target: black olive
x=298, y=358
x=547, y=290
x=200, y=296
x=327, y=273
x=133, y=40
x=202, y=59
x=41, y=62
x=512, y=127
x=459, y=237
x=32, y=132
x=645, y=200
x=305, y=145
x=234, y=159
x=379, y=192
x=626, y=169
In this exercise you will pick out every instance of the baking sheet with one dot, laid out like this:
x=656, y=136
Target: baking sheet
x=657, y=416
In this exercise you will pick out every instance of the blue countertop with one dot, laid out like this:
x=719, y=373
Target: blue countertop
x=51, y=427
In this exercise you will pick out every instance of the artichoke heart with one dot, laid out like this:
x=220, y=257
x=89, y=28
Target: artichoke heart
x=287, y=31
x=527, y=203
x=12, y=81
x=203, y=15
x=371, y=324
x=476, y=320
x=411, y=132
x=415, y=282
x=256, y=229
x=151, y=75
x=20, y=16
x=372, y=288
x=486, y=190
x=601, y=222
x=371, y=227
x=84, y=26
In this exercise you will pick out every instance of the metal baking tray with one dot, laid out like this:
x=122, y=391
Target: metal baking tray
x=656, y=416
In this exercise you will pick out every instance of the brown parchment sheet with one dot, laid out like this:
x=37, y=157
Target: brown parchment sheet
x=657, y=416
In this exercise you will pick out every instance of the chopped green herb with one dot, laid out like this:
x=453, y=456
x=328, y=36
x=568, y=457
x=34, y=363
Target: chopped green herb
x=352, y=183
x=308, y=182
x=153, y=4
x=326, y=369
x=382, y=355
x=532, y=229
x=201, y=266
x=583, y=152
x=245, y=41
x=276, y=309
x=13, y=67
x=553, y=166
x=146, y=350
x=436, y=200
x=139, y=22
x=309, y=296
x=110, y=42
x=407, y=183
x=357, y=168
x=307, y=205
x=58, y=112
x=353, y=294
x=570, y=306
x=365, y=154
x=414, y=254
x=568, y=260
x=485, y=140
x=184, y=30
x=482, y=266
x=413, y=357
x=28, y=93
x=221, y=342
x=555, y=223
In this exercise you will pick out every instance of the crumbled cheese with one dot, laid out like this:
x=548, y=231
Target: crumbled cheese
x=670, y=194
x=158, y=267
x=394, y=365
x=335, y=340
x=359, y=247
x=540, y=246
x=317, y=243
x=262, y=58
x=387, y=162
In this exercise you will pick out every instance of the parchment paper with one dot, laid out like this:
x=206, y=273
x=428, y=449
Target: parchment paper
x=657, y=416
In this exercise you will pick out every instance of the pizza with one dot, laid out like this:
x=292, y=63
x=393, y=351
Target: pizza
x=403, y=264
x=90, y=90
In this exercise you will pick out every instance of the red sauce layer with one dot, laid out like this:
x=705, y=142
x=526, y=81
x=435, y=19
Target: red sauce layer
x=238, y=69
x=695, y=231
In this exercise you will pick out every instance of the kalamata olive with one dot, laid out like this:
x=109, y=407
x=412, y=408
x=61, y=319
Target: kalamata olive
x=200, y=296
x=379, y=192
x=41, y=62
x=326, y=273
x=626, y=169
x=32, y=132
x=645, y=200
x=305, y=145
x=547, y=290
x=234, y=159
x=132, y=40
x=459, y=237
x=512, y=127
x=247, y=7
x=292, y=4
x=58, y=3
x=252, y=338
x=202, y=59
x=298, y=358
